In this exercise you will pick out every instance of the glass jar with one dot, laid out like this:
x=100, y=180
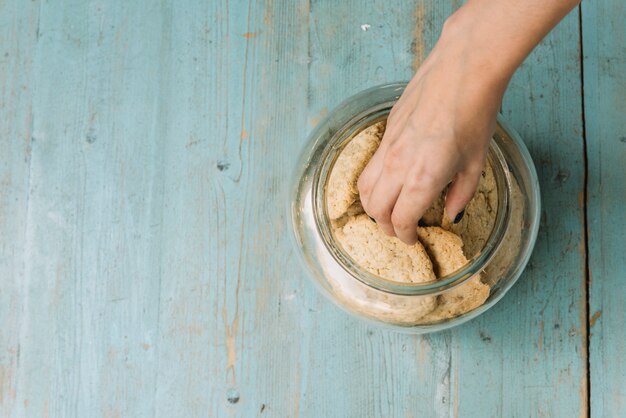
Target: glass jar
x=393, y=304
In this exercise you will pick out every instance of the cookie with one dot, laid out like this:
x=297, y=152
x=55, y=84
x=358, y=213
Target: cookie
x=480, y=215
x=444, y=248
x=446, y=252
x=341, y=190
x=355, y=209
x=434, y=214
x=387, y=257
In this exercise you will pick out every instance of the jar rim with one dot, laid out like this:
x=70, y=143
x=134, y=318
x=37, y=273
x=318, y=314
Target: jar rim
x=322, y=221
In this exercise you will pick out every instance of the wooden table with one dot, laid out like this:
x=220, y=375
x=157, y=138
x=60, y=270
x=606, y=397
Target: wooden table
x=145, y=265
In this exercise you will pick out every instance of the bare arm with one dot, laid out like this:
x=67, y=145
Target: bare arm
x=439, y=130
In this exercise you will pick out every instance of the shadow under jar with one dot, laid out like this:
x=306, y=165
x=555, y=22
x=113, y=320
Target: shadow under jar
x=394, y=304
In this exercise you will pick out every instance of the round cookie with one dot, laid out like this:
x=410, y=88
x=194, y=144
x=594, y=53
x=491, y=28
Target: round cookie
x=341, y=190
x=434, y=214
x=446, y=252
x=387, y=257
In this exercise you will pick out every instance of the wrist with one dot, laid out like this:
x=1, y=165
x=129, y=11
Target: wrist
x=478, y=44
x=473, y=60
x=499, y=34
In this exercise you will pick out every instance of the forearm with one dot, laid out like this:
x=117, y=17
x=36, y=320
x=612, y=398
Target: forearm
x=497, y=35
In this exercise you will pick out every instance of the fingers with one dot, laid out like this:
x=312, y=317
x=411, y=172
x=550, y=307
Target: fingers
x=461, y=191
x=382, y=200
x=368, y=178
x=372, y=172
x=391, y=173
x=378, y=197
x=417, y=195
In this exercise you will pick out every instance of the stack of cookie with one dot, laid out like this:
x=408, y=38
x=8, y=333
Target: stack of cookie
x=442, y=247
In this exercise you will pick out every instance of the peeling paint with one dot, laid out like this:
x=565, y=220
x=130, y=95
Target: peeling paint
x=595, y=318
x=231, y=332
x=313, y=121
x=418, y=45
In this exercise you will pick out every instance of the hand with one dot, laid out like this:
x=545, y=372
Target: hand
x=438, y=133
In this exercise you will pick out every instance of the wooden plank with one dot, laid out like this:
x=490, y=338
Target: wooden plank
x=527, y=356
x=604, y=46
x=16, y=92
x=230, y=337
x=95, y=180
x=89, y=323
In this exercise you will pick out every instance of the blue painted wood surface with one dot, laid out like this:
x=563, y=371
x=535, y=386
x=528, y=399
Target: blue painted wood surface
x=604, y=46
x=145, y=266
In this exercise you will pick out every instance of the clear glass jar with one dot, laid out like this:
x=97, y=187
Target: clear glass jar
x=392, y=304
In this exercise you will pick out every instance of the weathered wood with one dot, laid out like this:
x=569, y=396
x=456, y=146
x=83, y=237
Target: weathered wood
x=18, y=37
x=92, y=255
x=145, y=263
x=604, y=46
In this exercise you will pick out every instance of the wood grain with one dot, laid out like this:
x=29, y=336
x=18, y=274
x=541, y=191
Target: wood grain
x=16, y=123
x=145, y=263
x=604, y=46
x=95, y=196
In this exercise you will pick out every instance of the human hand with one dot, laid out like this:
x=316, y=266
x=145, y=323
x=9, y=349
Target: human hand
x=438, y=133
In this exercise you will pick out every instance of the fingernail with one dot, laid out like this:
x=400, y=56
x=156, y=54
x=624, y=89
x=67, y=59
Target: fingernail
x=459, y=216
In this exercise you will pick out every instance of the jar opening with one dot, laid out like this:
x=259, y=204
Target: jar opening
x=323, y=224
